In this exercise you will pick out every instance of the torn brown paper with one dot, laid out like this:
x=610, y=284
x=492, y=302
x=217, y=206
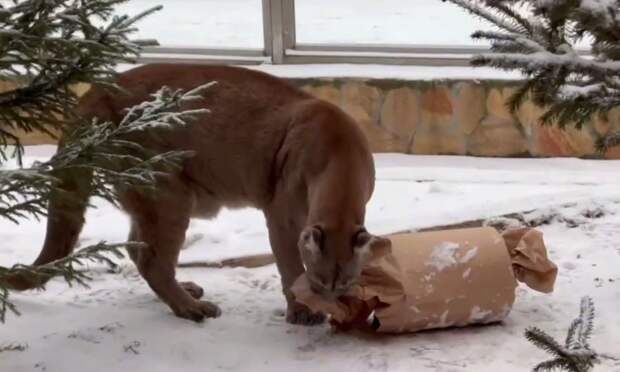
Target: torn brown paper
x=529, y=259
x=440, y=279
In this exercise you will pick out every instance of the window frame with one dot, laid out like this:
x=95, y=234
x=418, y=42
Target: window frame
x=280, y=47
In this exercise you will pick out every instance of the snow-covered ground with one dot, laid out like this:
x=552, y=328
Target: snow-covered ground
x=118, y=324
x=238, y=23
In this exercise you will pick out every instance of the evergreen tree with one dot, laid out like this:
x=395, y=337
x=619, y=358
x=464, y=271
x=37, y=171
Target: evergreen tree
x=575, y=355
x=539, y=38
x=46, y=47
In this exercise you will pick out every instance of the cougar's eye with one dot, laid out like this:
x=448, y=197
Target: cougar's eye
x=361, y=237
x=346, y=284
x=318, y=235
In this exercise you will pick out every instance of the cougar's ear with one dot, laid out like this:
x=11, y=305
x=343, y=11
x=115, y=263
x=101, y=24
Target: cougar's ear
x=311, y=241
x=366, y=245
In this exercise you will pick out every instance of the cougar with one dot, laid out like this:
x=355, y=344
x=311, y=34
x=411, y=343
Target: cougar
x=265, y=144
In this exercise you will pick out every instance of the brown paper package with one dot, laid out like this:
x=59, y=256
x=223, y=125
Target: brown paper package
x=440, y=279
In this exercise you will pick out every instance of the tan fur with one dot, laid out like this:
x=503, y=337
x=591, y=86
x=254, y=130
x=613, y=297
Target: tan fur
x=265, y=144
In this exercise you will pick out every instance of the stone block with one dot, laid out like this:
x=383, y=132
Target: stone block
x=400, y=112
x=469, y=106
x=361, y=100
x=497, y=137
x=325, y=92
x=496, y=103
x=549, y=140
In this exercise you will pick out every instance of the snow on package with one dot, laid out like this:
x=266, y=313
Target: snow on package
x=440, y=279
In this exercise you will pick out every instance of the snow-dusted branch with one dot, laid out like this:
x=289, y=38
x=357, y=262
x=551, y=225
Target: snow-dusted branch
x=162, y=111
x=544, y=59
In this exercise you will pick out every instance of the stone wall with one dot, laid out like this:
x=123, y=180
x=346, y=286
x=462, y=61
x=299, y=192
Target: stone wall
x=447, y=117
x=455, y=118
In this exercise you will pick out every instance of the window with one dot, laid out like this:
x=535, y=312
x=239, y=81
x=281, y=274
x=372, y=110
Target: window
x=413, y=22
x=201, y=23
x=416, y=32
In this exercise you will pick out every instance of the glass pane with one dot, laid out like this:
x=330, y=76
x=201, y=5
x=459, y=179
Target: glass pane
x=201, y=23
x=384, y=22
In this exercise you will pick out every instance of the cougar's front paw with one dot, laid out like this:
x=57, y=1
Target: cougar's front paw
x=193, y=289
x=302, y=315
x=198, y=311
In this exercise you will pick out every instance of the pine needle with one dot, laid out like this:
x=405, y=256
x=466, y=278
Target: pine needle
x=575, y=355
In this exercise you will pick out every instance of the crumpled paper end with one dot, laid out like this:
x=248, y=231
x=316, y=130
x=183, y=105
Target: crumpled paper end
x=530, y=262
x=380, y=285
x=304, y=294
x=347, y=312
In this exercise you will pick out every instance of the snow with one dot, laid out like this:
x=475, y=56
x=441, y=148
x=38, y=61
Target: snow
x=118, y=324
x=477, y=314
x=443, y=318
x=605, y=10
x=469, y=255
x=443, y=256
x=466, y=273
x=575, y=91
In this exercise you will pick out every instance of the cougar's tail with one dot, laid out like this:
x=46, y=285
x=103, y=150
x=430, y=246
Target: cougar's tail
x=65, y=218
x=66, y=206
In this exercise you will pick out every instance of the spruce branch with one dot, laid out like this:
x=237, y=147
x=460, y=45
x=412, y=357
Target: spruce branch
x=543, y=341
x=576, y=354
x=22, y=193
x=552, y=365
x=68, y=268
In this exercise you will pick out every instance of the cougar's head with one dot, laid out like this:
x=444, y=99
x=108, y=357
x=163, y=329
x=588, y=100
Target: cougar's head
x=334, y=258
